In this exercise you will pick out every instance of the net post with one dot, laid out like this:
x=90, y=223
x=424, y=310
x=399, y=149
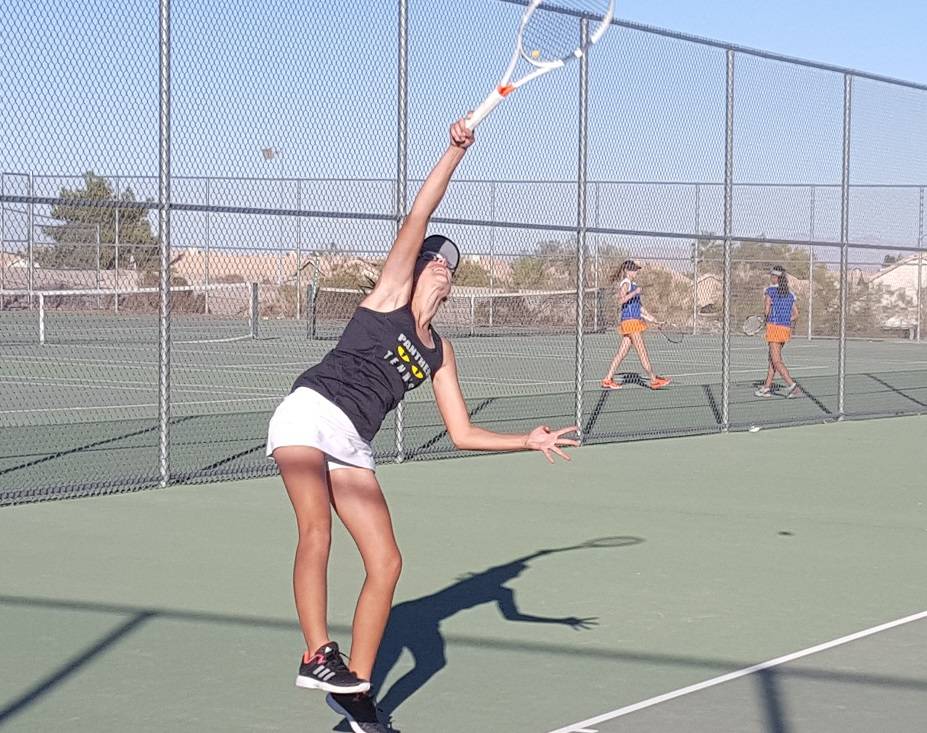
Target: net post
x=311, y=296
x=844, y=240
x=254, y=310
x=164, y=235
x=402, y=162
x=99, y=263
x=728, y=227
x=581, y=223
x=41, y=318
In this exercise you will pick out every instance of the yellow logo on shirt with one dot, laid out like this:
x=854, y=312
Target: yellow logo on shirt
x=407, y=354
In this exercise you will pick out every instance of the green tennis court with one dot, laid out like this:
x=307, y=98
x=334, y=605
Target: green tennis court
x=91, y=409
x=171, y=609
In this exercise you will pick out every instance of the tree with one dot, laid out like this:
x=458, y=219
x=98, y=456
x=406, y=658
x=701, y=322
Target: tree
x=75, y=239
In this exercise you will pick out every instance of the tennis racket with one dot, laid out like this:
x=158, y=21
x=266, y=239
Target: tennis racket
x=753, y=325
x=602, y=543
x=671, y=332
x=548, y=37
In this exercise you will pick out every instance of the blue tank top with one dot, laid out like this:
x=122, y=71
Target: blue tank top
x=780, y=314
x=377, y=360
x=631, y=310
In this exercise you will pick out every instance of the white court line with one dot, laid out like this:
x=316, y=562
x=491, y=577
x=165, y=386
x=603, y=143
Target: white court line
x=256, y=393
x=539, y=382
x=139, y=407
x=714, y=681
x=107, y=363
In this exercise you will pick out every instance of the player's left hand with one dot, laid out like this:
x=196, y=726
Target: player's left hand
x=461, y=136
x=547, y=441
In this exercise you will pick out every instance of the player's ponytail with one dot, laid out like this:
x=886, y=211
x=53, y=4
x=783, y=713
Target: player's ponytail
x=622, y=271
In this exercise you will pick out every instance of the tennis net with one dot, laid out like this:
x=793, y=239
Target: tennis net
x=199, y=314
x=476, y=313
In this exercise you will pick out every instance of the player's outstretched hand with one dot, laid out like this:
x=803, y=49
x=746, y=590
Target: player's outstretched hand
x=580, y=624
x=542, y=438
x=461, y=137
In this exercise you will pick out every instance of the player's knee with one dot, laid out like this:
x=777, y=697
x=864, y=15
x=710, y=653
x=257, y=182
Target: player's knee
x=315, y=537
x=386, y=568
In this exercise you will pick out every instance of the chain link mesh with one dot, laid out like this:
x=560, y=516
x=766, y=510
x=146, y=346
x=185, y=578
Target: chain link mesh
x=293, y=161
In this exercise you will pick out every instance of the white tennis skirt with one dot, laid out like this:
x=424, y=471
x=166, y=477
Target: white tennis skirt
x=307, y=418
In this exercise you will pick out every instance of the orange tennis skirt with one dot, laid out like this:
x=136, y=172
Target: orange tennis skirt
x=632, y=325
x=776, y=334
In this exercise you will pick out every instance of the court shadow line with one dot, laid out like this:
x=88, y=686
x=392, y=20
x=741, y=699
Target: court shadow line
x=71, y=666
x=415, y=625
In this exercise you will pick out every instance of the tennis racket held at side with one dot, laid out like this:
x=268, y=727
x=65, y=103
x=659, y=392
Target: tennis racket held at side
x=547, y=40
x=671, y=332
x=753, y=325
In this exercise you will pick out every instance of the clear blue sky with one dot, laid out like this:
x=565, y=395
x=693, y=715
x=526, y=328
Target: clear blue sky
x=886, y=37
x=78, y=91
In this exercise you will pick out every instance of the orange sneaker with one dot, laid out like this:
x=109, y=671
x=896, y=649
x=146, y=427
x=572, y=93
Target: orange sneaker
x=659, y=382
x=610, y=384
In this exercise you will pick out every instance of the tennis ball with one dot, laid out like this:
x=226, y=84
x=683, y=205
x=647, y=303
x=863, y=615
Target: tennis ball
x=535, y=54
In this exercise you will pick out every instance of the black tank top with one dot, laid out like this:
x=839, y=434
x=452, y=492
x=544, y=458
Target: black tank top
x=379, y=358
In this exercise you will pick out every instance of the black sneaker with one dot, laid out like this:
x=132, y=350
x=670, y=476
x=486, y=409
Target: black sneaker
x=360, y=712
x=326, y=670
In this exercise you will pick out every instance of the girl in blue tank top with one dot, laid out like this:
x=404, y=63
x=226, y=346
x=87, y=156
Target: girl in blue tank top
x=320, y=439
x=633, y=323
x=781, y=309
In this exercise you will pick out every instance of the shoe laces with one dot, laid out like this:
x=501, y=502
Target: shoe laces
x=337, y=662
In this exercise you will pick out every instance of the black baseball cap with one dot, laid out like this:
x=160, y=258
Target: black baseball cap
x=443, y=246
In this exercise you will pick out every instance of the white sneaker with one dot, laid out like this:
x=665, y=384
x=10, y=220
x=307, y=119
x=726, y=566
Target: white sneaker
x=762, y=392
x=793, y=391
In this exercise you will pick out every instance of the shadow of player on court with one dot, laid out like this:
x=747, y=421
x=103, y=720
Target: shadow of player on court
x=415, y=625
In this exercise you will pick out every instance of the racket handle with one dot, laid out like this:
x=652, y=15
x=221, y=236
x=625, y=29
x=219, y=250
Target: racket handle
x=487, y=106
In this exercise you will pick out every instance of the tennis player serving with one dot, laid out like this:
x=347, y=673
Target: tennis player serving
x=320, y=438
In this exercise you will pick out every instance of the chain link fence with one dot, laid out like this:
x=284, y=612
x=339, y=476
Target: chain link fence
x=194, y=195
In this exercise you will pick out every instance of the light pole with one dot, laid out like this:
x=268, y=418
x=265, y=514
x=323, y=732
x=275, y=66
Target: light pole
x=271, y=154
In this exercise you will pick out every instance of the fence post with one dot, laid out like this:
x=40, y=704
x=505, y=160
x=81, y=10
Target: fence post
x=728, y=227
x=811, y=265
x=164, y=235
x=595, y=259
x=402, y=167
x=299, y=248
x=581, y=221
x=30, y=236
x=492, y=251
x=844, y=241
x=920, y=260
x=698, y=226
x=116, y=263
x=208, y=244
x=2, y=237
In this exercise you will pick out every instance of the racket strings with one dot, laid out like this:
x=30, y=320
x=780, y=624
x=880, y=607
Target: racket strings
x=555, y=36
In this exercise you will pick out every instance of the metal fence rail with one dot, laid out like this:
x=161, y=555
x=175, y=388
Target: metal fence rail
x=704, y=160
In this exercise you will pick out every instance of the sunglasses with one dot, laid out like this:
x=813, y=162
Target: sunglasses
x=430, y=256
